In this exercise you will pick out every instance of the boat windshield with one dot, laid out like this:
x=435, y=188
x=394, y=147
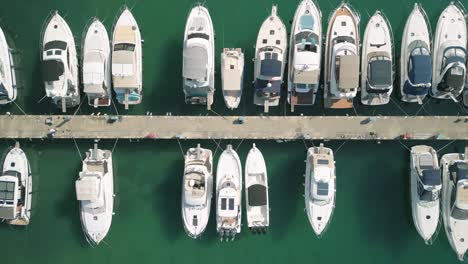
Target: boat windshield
x=198, y=35
x=453, y=69
x=124, y=46
x=308, y=41
x=56, y=44
x=379, y=72
x=52, y=70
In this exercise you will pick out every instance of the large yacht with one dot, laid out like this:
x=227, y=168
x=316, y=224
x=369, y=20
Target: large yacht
x=455, y=200
x=60, y=63
x=449, y=56
x=270, y=60
x=305, y=52
x=256, y=192
x=416, y=60
x=97, y=65
x=8, y=91
x=377, y=61
x=16, y=188
x=342, y=58
x=232, y=76
x=95, y=192
x=198, y=58
x=320, y=187
x=228, y=195
x=197, y=190
x=127, y=71
x=425, y=191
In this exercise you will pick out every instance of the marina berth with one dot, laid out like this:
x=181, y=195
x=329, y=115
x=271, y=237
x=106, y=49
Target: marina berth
x=127, y=71
x=8, y=90
x=232, y=76
x=270, y=60
x=96, y=72
x=416, y=60
x=305, y=52
x=59, y=63
x=198, y=58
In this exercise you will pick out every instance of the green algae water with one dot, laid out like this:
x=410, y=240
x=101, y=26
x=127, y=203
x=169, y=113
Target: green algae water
x=372, y=221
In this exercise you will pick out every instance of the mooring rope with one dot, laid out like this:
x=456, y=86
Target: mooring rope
x=239, y=144
x=76, y=145
x=21, y=109
x=305, y=144
x=40, y=100
x=399, y=107
x=76, y=111
x=422, y=107
x=115, y=144
x=446, y=145
x=342, y=144
x=181, y=149
x=115, y=108
x=404, y=145
x=217, y=146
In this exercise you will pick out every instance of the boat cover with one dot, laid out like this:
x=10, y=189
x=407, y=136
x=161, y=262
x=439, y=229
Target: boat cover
x=270, y=67
x=431, y=177
x=87, y=188
x=419, y=75
x=380, y=73
x=195, y=63
x=349, y=72
x=257, y=194
x=52, y=70
x=262, y=85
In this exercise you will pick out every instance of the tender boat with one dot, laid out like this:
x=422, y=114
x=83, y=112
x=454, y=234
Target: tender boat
x=228, y=194
x=198, y=58
x=127, y=71
x=97, y=65
x=377, y=61
x=256, y=192
x=342, y=58
x=426, y=186
x=8, y=91
x=16, y=188
x=455, y=200
x=320, y=187
x=416, y=60
x=197, y=190
x=232, y=76
x=305, y=52
x=270, y=60
x=449, y=55
x=60, y=63
x=95, y=192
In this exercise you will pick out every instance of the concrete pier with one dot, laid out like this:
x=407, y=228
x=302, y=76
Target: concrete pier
x=250, y=127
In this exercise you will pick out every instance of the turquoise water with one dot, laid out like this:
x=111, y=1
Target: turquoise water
x=372, y=222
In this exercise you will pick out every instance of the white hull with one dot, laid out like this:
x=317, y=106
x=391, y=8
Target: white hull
x=377, y=42
x=228, y=194
x=8, y=91
x=256, y=183
x=451, y=32
x=232, y=76
x=415, y=35
x=97, y=65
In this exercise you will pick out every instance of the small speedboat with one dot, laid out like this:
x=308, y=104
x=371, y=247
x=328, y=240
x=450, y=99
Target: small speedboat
x=377, y=61
x=449, y=55
x=455, y=200
x=60, y=63
x=97, y=65
x=8, y=91
x=425, y=191
x=16, y=188
x=95, y=192
x=256, y=192
x=305, y=47
x=197, y=190
x=232, y=75
x=342, y=58
x=228, y=195
x=320, y=187
x=416, y=60
x=270, y=60
x=127, y=71
x=198, y=58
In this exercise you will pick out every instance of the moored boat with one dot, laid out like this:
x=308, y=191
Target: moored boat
x=232, y=76
x=8, y=90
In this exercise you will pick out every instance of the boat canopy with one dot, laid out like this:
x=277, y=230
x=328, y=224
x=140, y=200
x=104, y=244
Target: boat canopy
x=379, y=71
x=7, y=199
x=195, y=188
x=87, y=188
x=271, y=66
x=266, y=86
x=55, y=44
x=453, y=69
x=232, y=75
x=195, y=63
x=52, y=70
x=431, y=177
x=349, y=72
x=257, y=195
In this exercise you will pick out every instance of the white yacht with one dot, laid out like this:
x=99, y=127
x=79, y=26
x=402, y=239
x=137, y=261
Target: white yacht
x=320, y=187
x=198, y=58
x=342, y=58
x=127, y=71
x=16, y=188
x=97, y=65
x=377, y=61
x=232, y=76
x=270, y=60
x=455, y=200
x=228, y=194
x=305, y=52
x=256, y=192
x=95, y=192
x=60, y=63
x=197, y=190
x=8, y=91
x=425, y=191
x=416, y=60
x=449, y=55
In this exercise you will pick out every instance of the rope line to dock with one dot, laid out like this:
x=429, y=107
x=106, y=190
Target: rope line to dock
x=462, y=107
x=115, y=108
x=399, y=141
x=181, y=149
x=217, y=113
x=40, y=100
x=217, y=146
x=115, y=144
x=76, y=111
x=399, y=107
x=422, y=107
x=78, y=149
x=21, y=109
x=342, y=144
x=239, y=144
x=355, y=112
x=446, y=145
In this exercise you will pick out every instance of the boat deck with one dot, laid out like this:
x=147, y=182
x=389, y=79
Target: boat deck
x=230, y=127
